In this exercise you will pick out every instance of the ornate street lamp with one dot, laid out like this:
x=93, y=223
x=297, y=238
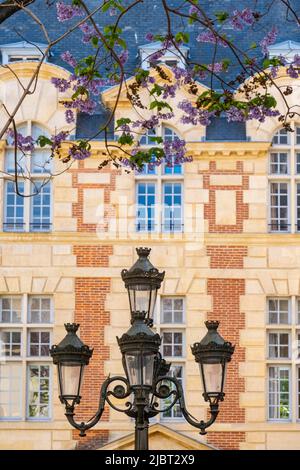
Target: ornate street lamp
x=142, y=282
x=147, y=382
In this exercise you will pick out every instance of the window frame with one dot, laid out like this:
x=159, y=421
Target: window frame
x=160, y=178
x=28, y=177
x=280, y=367
x=25, y=359
x=292, y=148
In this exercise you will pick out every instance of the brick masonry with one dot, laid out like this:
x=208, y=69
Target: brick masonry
x=226, y=440
x=226, y=257
x=90, y=296
x=78, y=207
x=226, y=308
x=92, y=255
x=242, y=209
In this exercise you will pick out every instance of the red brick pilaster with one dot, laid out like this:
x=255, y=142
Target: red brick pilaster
x=90, y=296
x=226, y=295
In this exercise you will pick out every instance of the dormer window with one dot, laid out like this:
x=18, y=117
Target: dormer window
x=171, y=57
x=286, y=49
x=22, y=51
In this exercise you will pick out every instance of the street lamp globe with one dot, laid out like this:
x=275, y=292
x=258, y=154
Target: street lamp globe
x=71, y=356
x=142, y=282
x=139, y=347
x=213, y=354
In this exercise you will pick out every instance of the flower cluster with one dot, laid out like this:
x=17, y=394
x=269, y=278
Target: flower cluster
x=88, y=32
x=211, y=37
x=66, y=12
x=260, y=113
x=61, y=84
x=68, y=58
x=78, y=153
x=235, y=115
x=194, y=115
x=175, y=152
x=269, y=39
x=242, y=18
x=23, y=143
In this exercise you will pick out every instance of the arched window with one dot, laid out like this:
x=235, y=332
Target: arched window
x=34, y=173
x=284, y=181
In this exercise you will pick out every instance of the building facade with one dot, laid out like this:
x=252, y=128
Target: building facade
x=224, y=227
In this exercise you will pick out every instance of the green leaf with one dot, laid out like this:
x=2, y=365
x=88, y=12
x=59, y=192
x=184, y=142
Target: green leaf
x=222, y=16
x=122, y=121
x=42, y=141
x=182, y=37
x=125, y=139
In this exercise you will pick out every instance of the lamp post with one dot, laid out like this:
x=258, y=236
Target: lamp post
x=147, y=382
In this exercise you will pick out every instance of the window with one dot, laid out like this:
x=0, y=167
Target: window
x=171, y=57
x=279, y=345
x=284, y=181
x=171, y=313
x=175, y=412
x=283, y=339
x=279, y=393
x=146, y=204
x=38, y=391
x=172, y=310
x=34, y=174
x=25, y=338
x=278, y=311
x=172, y=343
x=22, y=51
x=159, y=193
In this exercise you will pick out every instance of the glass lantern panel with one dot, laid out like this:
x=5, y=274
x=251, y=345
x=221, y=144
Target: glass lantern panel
x=71, y=378
x=212, y=377
x=140, y=368
x=142, y=298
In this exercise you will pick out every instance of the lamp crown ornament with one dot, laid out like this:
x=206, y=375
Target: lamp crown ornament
x=71, y=347
x=212, y=346
x=143, y=252
x=142, y=269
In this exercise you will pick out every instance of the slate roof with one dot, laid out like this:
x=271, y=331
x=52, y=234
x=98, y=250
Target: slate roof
x=146, y=17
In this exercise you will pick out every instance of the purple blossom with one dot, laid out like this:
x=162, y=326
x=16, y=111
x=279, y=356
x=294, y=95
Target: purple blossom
x=85, y=105
x=112, y=12
x=210, y=37
x=70, y=117
x=78, y=153
x=68, y=58
x=169, y=91
x=274, y=72
x=296, y=60
x=25, y=144
x=259, y=113
x=67, y=12
x=235, y=115
x=193, y=11
x=57, y=141
x=269, y=39
x=241, y=18
x=149, y=37
x=292, y=72
x=216, y=67
x=155, y=56
x=88, y=32
x=193, y=115
x=123, y=56
x=61, y=84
